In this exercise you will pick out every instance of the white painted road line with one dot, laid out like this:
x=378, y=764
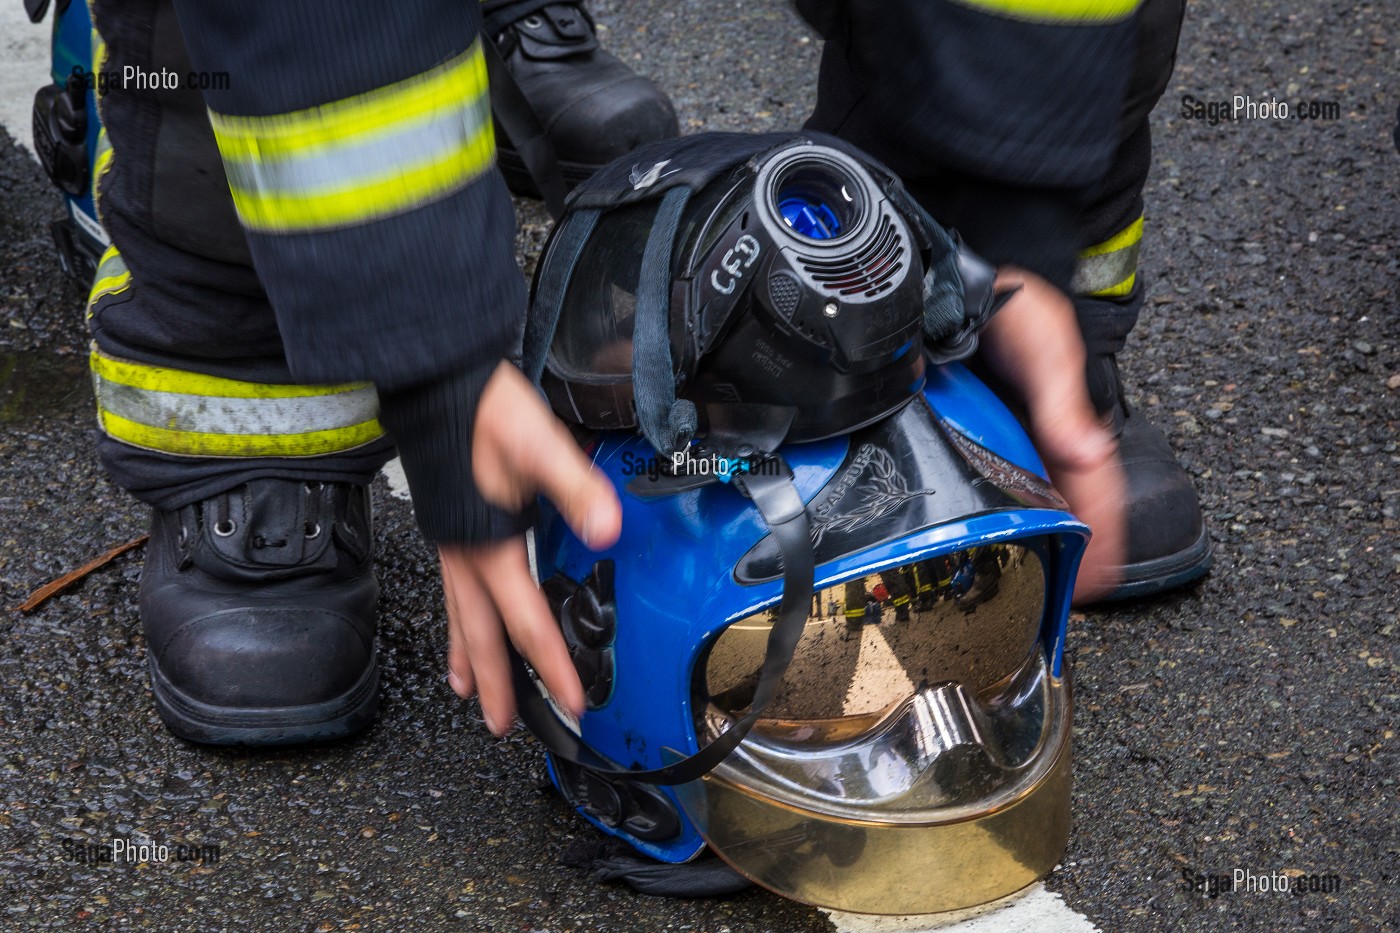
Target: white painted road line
x=24, y=68
x=398, y=483
x=1033, y=910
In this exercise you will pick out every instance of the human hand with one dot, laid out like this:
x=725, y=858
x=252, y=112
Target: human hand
x=1033, y=343
x=519, y=451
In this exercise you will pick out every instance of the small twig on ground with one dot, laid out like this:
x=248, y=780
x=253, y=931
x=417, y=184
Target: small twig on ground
x=39, y=596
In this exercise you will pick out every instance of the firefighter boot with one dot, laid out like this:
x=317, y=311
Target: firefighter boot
x=258, y=606
x=1168, y=544
x=592, y=108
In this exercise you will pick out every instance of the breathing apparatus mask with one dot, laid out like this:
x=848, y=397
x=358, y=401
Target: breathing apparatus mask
x=829, y=641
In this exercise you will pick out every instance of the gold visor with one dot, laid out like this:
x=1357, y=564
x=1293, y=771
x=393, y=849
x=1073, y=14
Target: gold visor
x=916, y=757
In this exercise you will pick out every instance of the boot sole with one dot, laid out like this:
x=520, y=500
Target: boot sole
x=1149, y=577
x=518, y=178
x=207, y=724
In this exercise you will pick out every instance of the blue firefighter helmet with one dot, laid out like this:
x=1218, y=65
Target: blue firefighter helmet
x=914, y=758
x=829, y=642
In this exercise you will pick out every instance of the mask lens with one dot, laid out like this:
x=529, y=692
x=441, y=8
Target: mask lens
x=809, y=216
x=594, y=336
x=817, y=200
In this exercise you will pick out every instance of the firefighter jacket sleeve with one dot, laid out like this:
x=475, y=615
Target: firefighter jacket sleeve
x=1002, y=114
x=357, y=141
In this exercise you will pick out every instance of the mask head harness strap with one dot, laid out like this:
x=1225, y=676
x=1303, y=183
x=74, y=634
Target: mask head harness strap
x=668, y=423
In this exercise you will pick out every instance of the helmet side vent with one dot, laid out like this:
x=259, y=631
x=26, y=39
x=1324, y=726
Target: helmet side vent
x=869, y=272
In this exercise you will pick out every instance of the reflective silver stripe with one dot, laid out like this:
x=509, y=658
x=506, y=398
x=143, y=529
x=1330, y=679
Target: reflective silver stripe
x=353, y=161
x=112, y=272
x=112, y=278
x=214, y=415
x=1110, y=268
x=192, y=414
x=1106, y=270
x=343, y=166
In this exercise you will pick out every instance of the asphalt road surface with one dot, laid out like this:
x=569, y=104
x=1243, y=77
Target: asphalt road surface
x=1249, y=723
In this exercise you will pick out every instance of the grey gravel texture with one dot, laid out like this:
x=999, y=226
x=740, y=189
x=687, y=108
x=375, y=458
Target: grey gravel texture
x=1247, y=723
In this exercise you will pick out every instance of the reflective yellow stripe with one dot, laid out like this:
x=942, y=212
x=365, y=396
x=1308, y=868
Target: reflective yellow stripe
x=112, y=275
x=1058, y=11
x=380, y=112
x=112, y=278
x=162, y=379
x=179, y=412
x=198, y=444
x=1130, y=235
x=363, y=158
x=101, y=164
x=1109, y=269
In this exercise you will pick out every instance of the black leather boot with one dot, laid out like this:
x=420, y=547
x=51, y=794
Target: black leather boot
x=592, y=108
x=258, y=606
x=1168, y=543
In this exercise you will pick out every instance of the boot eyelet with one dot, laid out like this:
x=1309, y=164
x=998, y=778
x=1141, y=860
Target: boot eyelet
x=313, y=531
x=532, y=22
x=314, y=486
x=225, y=528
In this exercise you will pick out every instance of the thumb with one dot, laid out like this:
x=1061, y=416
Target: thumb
x=1066, y=430
x=521, y=447
x=1033, y=343
x=564, y=476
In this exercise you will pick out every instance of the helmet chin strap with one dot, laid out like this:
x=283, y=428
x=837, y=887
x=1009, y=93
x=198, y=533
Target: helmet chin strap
x=775, y=496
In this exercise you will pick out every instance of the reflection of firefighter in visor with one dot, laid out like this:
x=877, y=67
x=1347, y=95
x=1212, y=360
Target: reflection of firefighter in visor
x=968, y=578
x=924, y=580
x=971, y=577
x=864, y=606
